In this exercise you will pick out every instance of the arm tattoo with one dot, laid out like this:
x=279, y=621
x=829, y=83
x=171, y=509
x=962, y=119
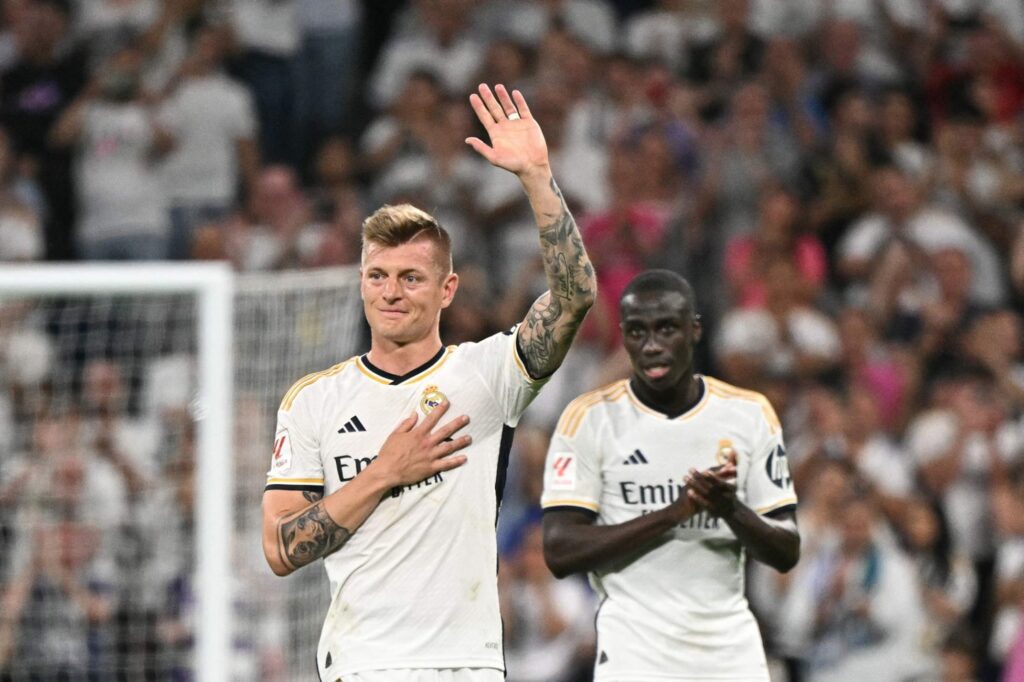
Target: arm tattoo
x=311, y=535
x=551, y=323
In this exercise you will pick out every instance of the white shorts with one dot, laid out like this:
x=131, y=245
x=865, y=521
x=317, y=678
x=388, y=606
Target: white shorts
x=425, y=675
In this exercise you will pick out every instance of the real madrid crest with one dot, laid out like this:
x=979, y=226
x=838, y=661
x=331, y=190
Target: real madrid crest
x=726, y=452
x=432, y=397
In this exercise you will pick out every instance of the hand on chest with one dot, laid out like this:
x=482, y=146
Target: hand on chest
x=354, y=432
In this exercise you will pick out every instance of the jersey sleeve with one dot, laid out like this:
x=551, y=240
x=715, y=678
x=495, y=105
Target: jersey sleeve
x=500, y=362
x=295, y=462
x=572, y=472
x=769, y=486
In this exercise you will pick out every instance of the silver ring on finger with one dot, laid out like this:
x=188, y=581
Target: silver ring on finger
x=514, y=116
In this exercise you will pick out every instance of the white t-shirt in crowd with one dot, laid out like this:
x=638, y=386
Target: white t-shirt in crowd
x=678, y=611
x=416, y=586
x=208, y=116
x=318, y=16
x=1009, y=619
x=754, y=331
x=21, y=235
x=269, y=26
x=455, y=65
x=932, y=230
x=119, y=188
x=966, y=500
x=590, y=21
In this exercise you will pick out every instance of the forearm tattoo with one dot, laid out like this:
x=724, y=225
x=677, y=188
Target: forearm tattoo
x=552, y=322
x=310, y=536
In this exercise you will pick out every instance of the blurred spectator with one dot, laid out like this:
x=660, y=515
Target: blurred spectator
x=959, y=658
x=994, y=339
x=45, y=80
x=267, y=32
x=338, y=204
x=925, y=301
x=107, y=27
x=623, y=239
x=21, y=228
x=589, y=21
x=788, y=337
x=876, y=368
x=988, y=58
x=858, y=605
x=664, y=32
x=748, y=152
x=730, y=57
x=947, y=579
x=326, y=69
x=567, y=61
x=274, y=230
x=970, y=180
x=776, y=237
x=548, y=632
x=129, y=444
x=403, y=131
x=901, y=220
x=445, y=177
x=1008, y=624
x=442, y=43
x=506, y=62
x=214, y=126
x=839, y=172
x=898, y=128
x=959, y=445
x=607, y=115
x=57, y=608
x=123, y=210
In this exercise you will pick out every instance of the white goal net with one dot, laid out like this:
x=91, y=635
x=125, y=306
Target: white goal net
x=286, y=326
x=119, y=469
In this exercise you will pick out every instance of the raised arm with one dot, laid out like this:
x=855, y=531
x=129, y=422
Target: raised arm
x=518, y=146
x=299, y=528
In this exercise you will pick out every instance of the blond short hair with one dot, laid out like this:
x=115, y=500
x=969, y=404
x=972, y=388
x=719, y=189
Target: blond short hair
x=392, y=226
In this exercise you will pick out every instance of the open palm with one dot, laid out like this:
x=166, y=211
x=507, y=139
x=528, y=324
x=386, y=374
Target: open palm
x=517, y=144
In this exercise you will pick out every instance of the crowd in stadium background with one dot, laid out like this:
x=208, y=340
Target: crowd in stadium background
x=842, y=182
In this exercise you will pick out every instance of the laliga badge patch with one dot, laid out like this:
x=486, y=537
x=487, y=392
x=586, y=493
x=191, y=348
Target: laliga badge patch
x=432, y=397
x=282, y=453
x=563, y=473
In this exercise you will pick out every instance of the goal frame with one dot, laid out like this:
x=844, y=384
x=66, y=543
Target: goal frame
x=213, y=286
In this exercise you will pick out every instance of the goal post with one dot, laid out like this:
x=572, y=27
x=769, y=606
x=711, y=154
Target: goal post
x=205, y=355
x=212, y=286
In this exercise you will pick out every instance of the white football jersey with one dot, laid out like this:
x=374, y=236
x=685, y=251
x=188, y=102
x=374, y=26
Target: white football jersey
x=416, y=585
x=677, y=611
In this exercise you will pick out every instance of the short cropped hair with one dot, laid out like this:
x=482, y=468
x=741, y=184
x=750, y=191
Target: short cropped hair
x=391, y=226
x=656, y=281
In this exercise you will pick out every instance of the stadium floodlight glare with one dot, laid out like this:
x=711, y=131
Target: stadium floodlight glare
x=212, y=287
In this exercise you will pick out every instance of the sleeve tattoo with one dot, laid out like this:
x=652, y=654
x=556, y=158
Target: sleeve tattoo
x=552, y=321
x=310, y=535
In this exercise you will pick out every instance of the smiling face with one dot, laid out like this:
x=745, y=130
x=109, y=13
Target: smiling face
x=659, y=332
x=404, y=289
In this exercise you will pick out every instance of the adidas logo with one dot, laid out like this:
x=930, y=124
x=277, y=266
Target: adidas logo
x=352, y=426
x=636, y=458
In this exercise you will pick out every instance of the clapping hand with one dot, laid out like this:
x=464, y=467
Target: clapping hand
x=714, y=489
